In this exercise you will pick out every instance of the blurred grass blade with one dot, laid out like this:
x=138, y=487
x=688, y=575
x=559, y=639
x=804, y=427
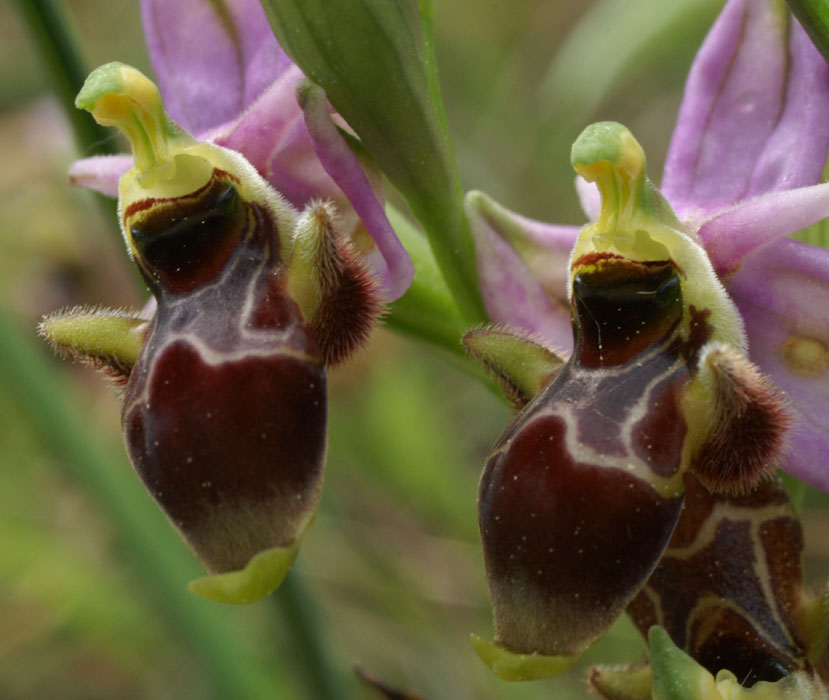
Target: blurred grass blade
x=160, y=561
x=611, y=37
x=379, y=73
x=816, y=234
x=814, y=16
x=301, y=615
x=54, y=37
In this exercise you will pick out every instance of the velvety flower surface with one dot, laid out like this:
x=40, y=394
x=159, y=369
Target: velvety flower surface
x=743, y=173
x=226, y=80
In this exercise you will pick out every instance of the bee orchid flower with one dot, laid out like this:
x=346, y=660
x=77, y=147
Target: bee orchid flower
x=743, y=173
x=269, y=256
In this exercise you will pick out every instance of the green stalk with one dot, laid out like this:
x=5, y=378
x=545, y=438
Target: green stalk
x=427, y=309
x=456, y=257
x=297, y=609
x=57, y=46
x=379, y=73
x=814, y=16
x=160, y=561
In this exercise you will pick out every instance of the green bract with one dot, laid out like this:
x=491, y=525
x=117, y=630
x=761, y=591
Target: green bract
x=374, y=63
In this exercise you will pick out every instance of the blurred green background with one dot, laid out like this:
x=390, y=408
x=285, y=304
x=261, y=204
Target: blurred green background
x=391, y=571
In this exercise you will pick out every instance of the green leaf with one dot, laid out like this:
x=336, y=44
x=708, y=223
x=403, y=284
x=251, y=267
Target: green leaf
x=374, y=60
x=814, y=16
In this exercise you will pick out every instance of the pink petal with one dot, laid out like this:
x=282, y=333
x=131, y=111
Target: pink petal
x=272, y=135
x=589, y=197
x=795, y=153
x=149, y=309
x=752, y=119
x=211, y=59
x=396, y=271
x=783, y=294
x=100, y=173
x=523, y=268
x=731, y=235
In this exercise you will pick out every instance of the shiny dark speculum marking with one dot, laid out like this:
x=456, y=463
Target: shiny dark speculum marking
x=621, y=307
x=186, y=243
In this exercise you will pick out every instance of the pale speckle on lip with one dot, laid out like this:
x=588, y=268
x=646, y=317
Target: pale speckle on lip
x=804, y=356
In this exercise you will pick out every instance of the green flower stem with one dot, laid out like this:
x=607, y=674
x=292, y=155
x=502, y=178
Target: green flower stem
x=430, y=63
x=457, y=264
x=378, y=71
x=57, y=45
x=814, y=16
x=427, y=310
x=160, y=562
x=301, y=616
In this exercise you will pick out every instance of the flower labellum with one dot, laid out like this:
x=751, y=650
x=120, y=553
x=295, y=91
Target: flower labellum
x=725, y=610
x=224, y=412
x=729, y=588
x=581, y=494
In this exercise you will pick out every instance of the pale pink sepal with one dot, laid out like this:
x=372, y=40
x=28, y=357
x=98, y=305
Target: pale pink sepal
x=522, y=266
x=149, y=309
x=342, y=165
x=783, y=295
x=589, y=197
x=211, y=59
x=100, y=173
x=730, y=236
x=753, y=116
x=272, y=135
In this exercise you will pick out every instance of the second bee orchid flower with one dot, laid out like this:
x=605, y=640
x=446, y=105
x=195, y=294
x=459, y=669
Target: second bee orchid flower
x=743, y=173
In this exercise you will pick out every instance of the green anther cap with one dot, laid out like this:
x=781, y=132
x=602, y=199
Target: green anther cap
x=607, y=144
x=608, y=154
x=122, y=96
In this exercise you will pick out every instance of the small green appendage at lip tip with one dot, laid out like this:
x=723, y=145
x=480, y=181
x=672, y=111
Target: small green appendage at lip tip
x=119, y=95
x=263, y=575
x=512, y=666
